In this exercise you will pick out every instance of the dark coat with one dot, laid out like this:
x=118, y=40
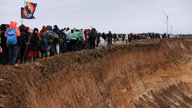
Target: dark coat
x=34, y=42
x=3, y=38
x=4, y=55
x=57, y=31
x=24, y=39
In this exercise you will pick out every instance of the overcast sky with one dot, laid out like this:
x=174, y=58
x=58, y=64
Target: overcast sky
x=120, y=16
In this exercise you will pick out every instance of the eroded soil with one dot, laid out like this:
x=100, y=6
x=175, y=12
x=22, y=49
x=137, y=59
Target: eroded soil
x=147, y=74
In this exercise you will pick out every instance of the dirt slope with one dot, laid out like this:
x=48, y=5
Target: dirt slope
x=150, y=74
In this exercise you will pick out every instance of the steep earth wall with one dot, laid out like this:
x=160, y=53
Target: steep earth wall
x=148, y=74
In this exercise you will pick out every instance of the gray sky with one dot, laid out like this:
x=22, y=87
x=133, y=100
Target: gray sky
x=120, y=16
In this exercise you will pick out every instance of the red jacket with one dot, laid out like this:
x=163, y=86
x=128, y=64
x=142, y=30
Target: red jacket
x=86, y=35
x=14, y=25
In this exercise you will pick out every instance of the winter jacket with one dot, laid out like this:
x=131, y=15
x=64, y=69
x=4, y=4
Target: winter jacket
x=86, y=35
x=44, y=42
x=3, y=38
x=42, y=31
x=92, y=36
x=63, y=37
x=109, y=35
x=24, y=36
x=81, y=36
x=34, y=42
x=73, y=36
x=57, y=31
x=14, y=25
x=52, y=37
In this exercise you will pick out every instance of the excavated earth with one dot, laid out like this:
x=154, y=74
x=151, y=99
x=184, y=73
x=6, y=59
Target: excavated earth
x=145, y=74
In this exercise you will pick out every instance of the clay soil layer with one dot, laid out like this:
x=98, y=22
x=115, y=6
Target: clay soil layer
x=145, y=74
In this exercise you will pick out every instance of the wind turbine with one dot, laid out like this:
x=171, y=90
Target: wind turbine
x=167, y=22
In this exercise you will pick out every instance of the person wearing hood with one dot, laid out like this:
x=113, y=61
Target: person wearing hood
x=42, y=31
x=80, y=39
x=109, y=38
x=57, y=31
x=43, y=42
x=24, y=39
x=53, y=41
x=13, y=49
x=73, y=40
x=92, y=37
x=85, y=43
x=63, y=45
x=34, y=42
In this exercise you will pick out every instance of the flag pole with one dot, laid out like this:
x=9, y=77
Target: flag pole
x=21, y=21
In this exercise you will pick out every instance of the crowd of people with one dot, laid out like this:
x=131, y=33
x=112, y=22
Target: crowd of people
x=184, y=35
x=51, y=40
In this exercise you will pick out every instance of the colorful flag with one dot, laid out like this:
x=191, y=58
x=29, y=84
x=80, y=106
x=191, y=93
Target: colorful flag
x=28, y=11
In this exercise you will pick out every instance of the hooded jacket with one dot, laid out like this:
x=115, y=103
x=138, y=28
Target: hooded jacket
x=34, y=41
x=81, y=36
x=14, y=25
x=86, y=35
x=42, y=31
x=18, y=33
x=73, y=36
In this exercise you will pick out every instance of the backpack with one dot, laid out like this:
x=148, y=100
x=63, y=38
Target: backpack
x=11, y=38
x=52, y=37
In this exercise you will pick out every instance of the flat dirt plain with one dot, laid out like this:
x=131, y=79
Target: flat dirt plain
x=145, y=74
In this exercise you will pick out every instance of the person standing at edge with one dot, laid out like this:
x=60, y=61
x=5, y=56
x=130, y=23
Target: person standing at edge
x=4, y=55
x=13, y=49
x=34, y=42
x=92, y=37
x=109, y=36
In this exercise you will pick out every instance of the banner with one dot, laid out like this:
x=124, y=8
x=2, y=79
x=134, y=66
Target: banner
x=28, y=11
